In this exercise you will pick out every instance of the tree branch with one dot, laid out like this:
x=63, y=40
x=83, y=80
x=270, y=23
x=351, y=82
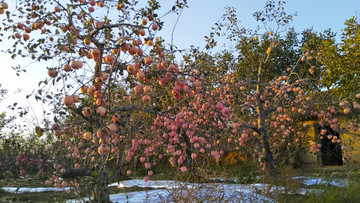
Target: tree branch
x=76, y=172
x=140, y=107
x=254, y=128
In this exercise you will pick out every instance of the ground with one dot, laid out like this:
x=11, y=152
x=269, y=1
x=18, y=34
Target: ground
x=322, y=184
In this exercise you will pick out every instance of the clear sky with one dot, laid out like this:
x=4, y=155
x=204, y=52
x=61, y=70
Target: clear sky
x=194, y=23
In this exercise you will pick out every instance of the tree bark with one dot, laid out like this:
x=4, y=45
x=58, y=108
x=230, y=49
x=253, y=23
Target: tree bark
x=266, y=151
x=76, y=172
x=100, y=192
x=267, y=154
x=98, y=63
x=188, y=160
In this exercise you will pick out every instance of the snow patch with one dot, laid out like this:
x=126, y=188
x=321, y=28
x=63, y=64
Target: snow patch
x=309, y=181
x=37, y=189
x=167, y=190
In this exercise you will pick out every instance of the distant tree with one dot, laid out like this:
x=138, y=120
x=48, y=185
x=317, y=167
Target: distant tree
x=338, y=62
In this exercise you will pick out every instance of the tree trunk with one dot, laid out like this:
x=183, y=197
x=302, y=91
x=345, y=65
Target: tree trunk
x=188, y=160
x=266, y=151
x=98, y=63
x=100, y=192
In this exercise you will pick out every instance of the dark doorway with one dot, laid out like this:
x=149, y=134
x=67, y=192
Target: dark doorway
x=331, y=154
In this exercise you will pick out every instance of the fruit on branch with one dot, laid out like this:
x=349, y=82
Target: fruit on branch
x=148, y=60
x=52, y=73
x=154, y=27
x=26, y=37
x=66, y=67
x=95, y=53
x=68, y=100
x=57, y=9
x=109, y=59
x=150, y=17
x=101, y=110
x=137, y=89
x=100, y=4
x=87, y=135
x=87, y=41
x=141, y=32
x=76, y=64
x=147, y=89
x=91, y=90
x=86, y=111
x=111, y=128
x=146, y=99
x=103, y=149
x=100, y=134
x=140, y=75
x=92, y=2
x=84, y=89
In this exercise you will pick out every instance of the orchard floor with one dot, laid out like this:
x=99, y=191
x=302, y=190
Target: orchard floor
x=216, y=189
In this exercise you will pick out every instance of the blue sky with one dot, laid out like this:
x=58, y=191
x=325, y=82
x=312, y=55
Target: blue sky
x=194, y=23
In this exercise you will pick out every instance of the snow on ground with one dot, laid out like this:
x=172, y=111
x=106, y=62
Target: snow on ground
x=227, y=192
x=234, y=180
x=37, y=189
x=155, y=184
x=166, y=190
x=168, y=184
x=197, y=196
x=309, y=181
x=217, y=179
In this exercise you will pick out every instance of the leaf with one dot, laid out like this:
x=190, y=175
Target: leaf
x=39, y=131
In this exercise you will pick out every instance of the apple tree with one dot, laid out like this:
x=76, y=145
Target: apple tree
x=104, y=62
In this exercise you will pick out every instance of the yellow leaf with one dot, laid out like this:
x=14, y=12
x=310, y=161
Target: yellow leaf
x=39, y=131
x=268, y=50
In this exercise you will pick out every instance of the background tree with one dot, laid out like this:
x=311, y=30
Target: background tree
x=271, y=78
x=337, y=62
